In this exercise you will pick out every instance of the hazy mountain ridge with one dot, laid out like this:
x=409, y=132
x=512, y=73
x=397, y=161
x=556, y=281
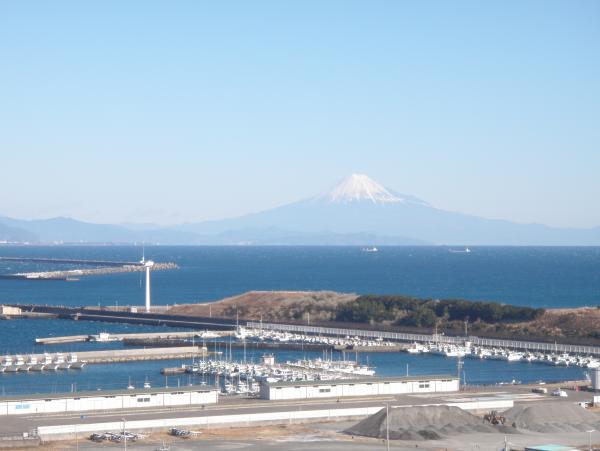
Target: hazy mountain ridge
x=358, y=211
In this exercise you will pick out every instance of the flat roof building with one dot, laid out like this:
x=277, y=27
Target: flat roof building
x=107, y=400
x=372, y=386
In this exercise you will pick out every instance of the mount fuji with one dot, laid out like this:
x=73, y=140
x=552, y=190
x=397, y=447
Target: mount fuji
x=361, y=211
x=358, y=211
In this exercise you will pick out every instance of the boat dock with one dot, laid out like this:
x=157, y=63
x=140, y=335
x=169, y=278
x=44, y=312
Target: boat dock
x=146, y=338
x=60, y=361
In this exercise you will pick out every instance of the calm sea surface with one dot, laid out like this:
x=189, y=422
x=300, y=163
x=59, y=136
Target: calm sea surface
x=536, y=276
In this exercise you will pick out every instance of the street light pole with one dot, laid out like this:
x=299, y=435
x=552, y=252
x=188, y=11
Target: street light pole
x=124, y=436
x=387, y=426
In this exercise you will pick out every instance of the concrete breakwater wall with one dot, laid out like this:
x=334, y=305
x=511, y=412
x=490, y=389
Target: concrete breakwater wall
x=153, y=319
x=76, y=273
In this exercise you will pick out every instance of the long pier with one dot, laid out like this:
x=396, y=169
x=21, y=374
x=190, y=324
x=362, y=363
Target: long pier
x=148, y=336
x=123, y=355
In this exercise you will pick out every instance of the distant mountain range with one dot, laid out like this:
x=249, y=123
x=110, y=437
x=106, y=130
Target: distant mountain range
x=358, y=211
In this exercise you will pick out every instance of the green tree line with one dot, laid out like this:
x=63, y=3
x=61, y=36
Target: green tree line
x=409, y=311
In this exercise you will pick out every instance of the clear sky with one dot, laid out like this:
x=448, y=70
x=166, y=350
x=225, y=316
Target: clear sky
x=172, y=111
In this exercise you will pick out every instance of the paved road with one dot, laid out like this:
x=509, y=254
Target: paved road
x=12, y=424
x=236, y=405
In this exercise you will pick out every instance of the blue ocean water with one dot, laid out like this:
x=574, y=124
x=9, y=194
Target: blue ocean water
x=536, y=276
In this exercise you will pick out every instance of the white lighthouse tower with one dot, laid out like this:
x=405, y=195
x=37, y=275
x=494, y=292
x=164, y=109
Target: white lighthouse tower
x=148, y=264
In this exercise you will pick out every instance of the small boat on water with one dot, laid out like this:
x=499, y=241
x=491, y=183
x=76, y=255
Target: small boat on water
x=466, y=250
x=103, y=337
x=417, y=348
x=370, y=249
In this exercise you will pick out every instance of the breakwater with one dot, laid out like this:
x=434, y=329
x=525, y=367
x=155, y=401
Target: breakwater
x=130, y=317
x=73, y=274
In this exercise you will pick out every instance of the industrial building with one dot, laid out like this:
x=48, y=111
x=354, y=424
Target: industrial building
x=358, y=387
x=107, y=400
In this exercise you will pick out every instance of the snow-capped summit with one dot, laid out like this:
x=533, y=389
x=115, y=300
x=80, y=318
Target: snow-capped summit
x=362, y=188
x=359, y=187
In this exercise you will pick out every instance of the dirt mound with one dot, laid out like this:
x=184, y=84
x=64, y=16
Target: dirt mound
x=421, y=423
x=552, y=417
x=271, y=306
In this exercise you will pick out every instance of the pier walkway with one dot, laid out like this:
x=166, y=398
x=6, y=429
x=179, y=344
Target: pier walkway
x=111, y=356
x=120, y=337
x=427, y=338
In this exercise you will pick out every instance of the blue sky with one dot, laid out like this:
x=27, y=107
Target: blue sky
x=179, y=111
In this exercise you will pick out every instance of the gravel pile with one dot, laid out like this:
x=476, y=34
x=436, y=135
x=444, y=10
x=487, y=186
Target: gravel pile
x=552, y=417
x=422, y=423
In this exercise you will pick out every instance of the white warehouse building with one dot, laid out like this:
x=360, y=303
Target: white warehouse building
x=107, y=400
x=358, y=387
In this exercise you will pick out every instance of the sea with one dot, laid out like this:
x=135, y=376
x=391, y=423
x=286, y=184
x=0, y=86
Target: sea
x=533, y=276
